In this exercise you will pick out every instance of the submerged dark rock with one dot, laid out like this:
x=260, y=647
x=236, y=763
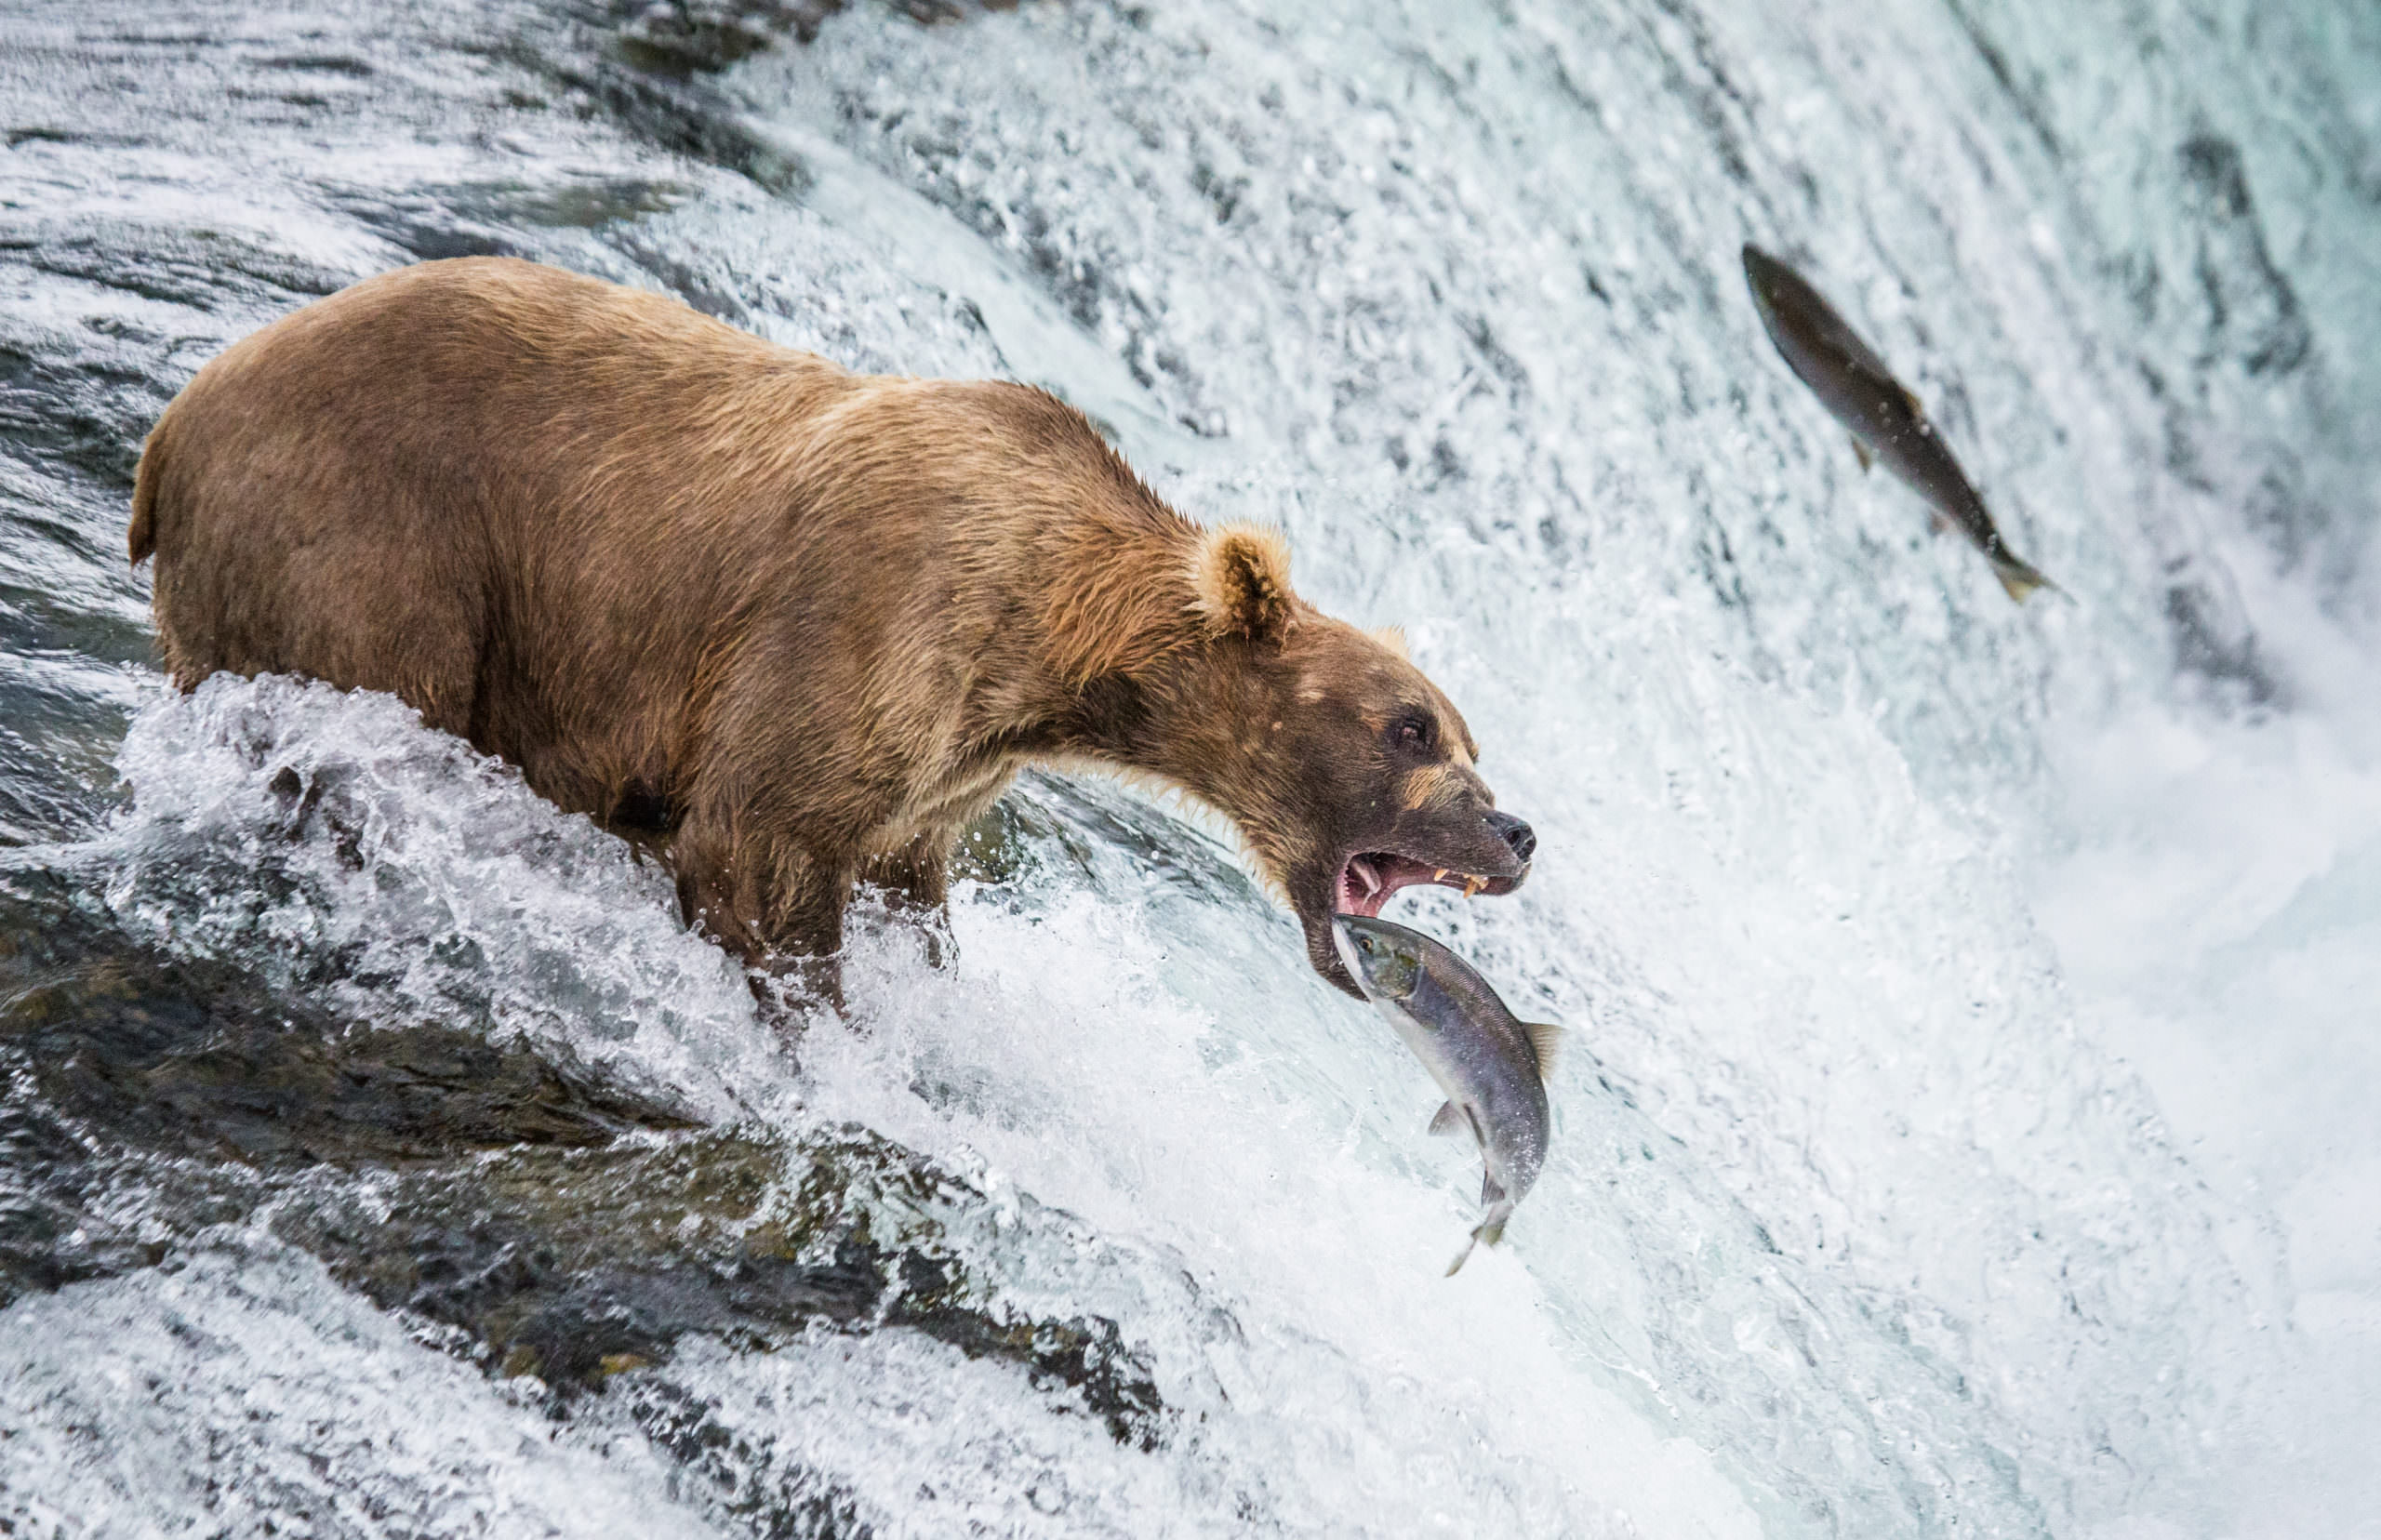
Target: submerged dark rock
x=808, y=1506
x=2214, y=646
x=576, y=1265
x=683, y=36
x=194, y=1059
x=52, y=1183
x=569, y=1228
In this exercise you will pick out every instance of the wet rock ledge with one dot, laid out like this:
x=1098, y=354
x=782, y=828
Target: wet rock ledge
x=557, y=1226
x=683, y=36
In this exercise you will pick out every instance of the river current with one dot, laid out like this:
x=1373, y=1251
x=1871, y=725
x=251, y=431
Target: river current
x=1968, y=1123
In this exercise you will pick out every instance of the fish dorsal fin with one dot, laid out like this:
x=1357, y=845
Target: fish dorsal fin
x=1448, y=1119
x=1866, y=460
x=1917, y=407
x=1546, y=1042
x=1489, y=1191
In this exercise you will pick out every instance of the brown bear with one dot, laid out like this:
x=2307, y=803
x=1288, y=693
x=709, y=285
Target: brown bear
x=803, y=624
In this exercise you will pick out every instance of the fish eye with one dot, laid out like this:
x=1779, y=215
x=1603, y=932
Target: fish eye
x=1363, y=943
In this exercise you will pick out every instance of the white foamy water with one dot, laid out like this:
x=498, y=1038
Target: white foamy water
x=1966, y=1126
x=247, y=1394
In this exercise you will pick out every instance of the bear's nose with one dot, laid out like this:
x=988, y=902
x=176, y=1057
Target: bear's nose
x=1518, y=836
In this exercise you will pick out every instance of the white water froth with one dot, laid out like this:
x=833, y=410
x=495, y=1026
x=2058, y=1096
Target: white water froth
x=1963, y=1128
x=331, y=842
x=242, y=1392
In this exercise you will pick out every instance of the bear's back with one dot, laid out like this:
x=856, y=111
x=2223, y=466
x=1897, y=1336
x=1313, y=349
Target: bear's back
x=555, y=515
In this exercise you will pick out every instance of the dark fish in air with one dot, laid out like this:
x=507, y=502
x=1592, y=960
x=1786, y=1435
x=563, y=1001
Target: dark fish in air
x=1886, y=420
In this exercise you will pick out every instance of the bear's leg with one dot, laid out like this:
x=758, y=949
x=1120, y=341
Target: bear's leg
x=779, y=907
x=917, y=879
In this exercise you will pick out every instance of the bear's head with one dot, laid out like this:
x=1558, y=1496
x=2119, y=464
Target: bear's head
x=1348, y=772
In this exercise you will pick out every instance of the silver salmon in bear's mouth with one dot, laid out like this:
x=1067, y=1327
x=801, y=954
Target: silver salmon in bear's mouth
x=1492, y=1065
x=1368, y=879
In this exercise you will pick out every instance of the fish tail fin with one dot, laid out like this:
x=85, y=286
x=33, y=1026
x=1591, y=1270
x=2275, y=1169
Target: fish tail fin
x=1488, y=1232
x=2019, y=579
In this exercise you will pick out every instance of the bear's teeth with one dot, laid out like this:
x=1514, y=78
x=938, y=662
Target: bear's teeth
x=1471, y=885
x=1362, y=872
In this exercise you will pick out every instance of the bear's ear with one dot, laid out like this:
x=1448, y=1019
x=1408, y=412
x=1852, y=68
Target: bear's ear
x=1241, y=582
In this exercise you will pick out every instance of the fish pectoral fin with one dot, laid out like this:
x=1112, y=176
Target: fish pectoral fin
x=1448, y=1119
x=1490, y=1193
x=1546, y=1042
x=1867, y=461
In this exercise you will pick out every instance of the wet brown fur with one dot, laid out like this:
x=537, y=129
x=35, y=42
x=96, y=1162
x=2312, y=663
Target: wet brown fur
x=807, y=622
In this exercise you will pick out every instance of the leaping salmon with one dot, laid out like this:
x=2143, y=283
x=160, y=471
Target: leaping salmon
x=1885, y=419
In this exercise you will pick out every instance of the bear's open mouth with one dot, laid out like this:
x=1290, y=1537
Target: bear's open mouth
x=1368, y=879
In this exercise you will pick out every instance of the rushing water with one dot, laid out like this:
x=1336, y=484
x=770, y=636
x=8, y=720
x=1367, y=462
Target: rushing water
x=1968, y=1124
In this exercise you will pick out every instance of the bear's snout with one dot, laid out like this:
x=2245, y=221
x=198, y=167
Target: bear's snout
x=1518, y=836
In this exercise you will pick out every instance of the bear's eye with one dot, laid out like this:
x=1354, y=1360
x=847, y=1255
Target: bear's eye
x=1413, y=730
